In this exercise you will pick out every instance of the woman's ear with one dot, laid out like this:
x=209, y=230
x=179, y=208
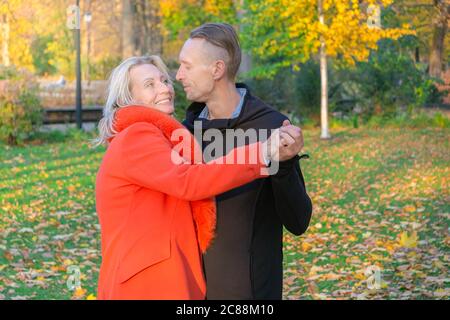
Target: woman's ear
x=219, y=69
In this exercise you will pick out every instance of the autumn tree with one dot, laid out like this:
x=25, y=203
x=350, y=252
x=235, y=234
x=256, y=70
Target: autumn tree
x=179, y=17
x=285, y=33
x=16, y=24
x=31, y=26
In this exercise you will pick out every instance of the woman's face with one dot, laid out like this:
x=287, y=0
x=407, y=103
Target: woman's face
x=149, y=87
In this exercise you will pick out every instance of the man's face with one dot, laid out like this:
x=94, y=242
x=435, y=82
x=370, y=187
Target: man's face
x=196, y=70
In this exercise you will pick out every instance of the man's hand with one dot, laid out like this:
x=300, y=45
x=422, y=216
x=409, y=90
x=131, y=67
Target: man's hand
x=291, y=141
x=284, y=143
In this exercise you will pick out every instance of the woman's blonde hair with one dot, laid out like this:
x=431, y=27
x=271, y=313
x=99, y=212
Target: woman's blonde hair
x=118, y=93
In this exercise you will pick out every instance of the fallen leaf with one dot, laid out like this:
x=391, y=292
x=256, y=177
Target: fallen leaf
x=79, y=293
x=407, y=241
x=91, y=297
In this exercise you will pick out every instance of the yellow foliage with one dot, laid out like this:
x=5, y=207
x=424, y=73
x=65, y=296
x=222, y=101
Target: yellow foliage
x=20, y=27
x=306, y=246
x=79, y=293
x=345, y=30
x=408, y=241
x=91, y=297
x=409, y=208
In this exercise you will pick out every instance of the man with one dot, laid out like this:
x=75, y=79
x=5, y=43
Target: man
x=245, y=259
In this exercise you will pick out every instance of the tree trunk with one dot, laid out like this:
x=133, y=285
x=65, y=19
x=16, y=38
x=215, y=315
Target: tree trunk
x=5, y=39
x=246, y=62
x=440, y=22
x=324, y=82
x=128, y=32
x=156, y=39
x=149, y=27
x=12, y=140
x=88, y=45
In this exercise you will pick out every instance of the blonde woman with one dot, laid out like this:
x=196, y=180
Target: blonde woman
x=154, y=203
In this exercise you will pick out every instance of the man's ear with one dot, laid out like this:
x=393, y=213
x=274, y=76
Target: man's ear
x=219, y=69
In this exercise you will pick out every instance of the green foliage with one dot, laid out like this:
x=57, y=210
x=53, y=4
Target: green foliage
x=41, y=56
x=266, y=35
x=181, y=17
x=389, y=87
x=388, y=84
x=307, y=84
x=278, y=91
x=441, y=121
x=20, y=108
x=62, y=51
x=101, y=69
x=9, y=72
x=181, y=103
x=406, y=120
x=189, y=16
x=297, y=92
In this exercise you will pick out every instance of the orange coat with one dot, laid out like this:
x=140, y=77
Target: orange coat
x=154, y=212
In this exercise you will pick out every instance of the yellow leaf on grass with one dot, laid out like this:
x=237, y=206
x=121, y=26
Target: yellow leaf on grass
x=360, y=276
x=57, y=268
x=440, y=293
x=67, y=262
x=390, y=247
x=376, y=257
x=306, y=246
x=409, y=208
x=408, y=241
x=79, y=292
x=91, y=297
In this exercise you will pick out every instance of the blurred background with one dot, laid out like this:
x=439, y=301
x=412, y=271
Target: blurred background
x=368, y=81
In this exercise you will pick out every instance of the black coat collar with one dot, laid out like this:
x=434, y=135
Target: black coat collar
x=196, y=108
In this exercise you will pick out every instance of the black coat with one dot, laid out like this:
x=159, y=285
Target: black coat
x=245, y=258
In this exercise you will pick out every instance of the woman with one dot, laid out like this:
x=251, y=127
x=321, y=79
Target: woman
x=154, y=202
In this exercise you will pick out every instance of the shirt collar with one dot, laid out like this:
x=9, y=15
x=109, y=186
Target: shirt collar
x=237, y=111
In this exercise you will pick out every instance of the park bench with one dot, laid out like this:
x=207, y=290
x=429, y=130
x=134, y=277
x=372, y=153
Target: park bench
x=65, y=115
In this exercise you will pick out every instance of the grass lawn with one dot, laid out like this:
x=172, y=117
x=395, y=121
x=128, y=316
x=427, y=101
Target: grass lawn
x=381, y=202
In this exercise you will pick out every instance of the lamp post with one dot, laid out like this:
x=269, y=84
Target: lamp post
x=88, y=19
x=78, y=104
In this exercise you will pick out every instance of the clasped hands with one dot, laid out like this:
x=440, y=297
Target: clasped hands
x=284, y=143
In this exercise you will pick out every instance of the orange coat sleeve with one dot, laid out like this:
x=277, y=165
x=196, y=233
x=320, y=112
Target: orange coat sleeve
x=148, y=161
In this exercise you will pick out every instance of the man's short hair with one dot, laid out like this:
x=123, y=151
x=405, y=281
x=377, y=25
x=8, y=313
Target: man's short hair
x=223, y=36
